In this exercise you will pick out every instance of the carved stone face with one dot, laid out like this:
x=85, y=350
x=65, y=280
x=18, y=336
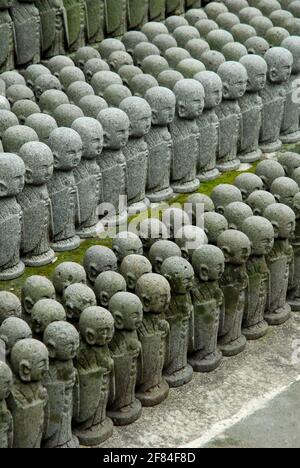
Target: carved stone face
x=260, y=233
x=68, y=273
x=257, y=72
x=77, y=298
x=292, y=44
x=235, y=246
x=62, y=341
x=235, y=87
x=12, y=330
x=179, y=273
x=209, y=263
x=140, y=116
x=103, y=334
x=97, y=260
x=66, y=146
x=212, y=85
x=29, y=360
x=154, y=292
x=91, y=133
x=12, y=175
x=162, y=102
x=279, y=61
x=35, y=289
x=190, y=99
x=115, y=124
x=38, y=161
x=282, y=219
x=6, y=381
x=127, y=311
x=10, y=306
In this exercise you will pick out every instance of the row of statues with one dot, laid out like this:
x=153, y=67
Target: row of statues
x=90, y=348
x=79, y=136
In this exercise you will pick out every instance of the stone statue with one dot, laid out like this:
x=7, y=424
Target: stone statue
x=140, y=84
x=65, y=274
x=42, y=124
x=214, y=9
x=88, y=176
x=180, y=275
x=268, y=171
x=15, y=137
x=189, y=239
x=94, y=366
x=54, y=28
x=227, y=20
x=75, y=17
x=290, y=132
x=132, y=38
x=251, y=108
x=174, y=219
x=36, y=205
x=93, y=66
x=7, y=120
x=175, y=55
x=185, y=135
x=95, y=20
x=218, y=39
x=274, y=97
x=212, y=60
x=214, y=225
x=66, y=146
x=207, y=299
x=259, y=201
x=208, y=124
x=69, y=75
x=51, y=99
x=78, y=90
x=66, y=114
x=199, y=203
x=91, y=106
x=174, y=7
x=154, y=65
x=184, y=34
x=125, y=349
x=18, y=92
x=234, y=78
x=34, y=289
x=28, y=399
x=132, y=268
x=224, y=194
x=77, y=297
x=7, y=61
x=136, y=152
x=24, y=109
x=190, y=67
x=248, y=183
x=236, y=213
x=155, y=294
x=12, y=172
x=157, y=10
x=110, y=45
x=290, y=162
x=169, y=78
x=119, y=58
x=107, y=285
x=26, y=23
x=242, y=32
x=197, y=47
x=6, y=422
x=112, y=162
x=115, y=16
x=194, y=13
x=142, y=51
x=128, y=72
x=160, y=251
x=162, y=102
x=58, y=62
x=44, y=312
x=280, y=262
x=284, y=190
x=98, y=259
x=164, y=42
x=12, y=77
x=45, y=82
x=294, y=292
x=236, y=248
x=204, y=27
x=126, y=243
x=62, y=342
x=257, y=46
x=261, y=235
x=151, y=230
x=12, y=330
x=10, y=306
x=85, y=53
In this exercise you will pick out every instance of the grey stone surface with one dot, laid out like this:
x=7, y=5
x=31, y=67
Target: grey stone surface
x=236, y=213
x=108, y=284
x=51, y=99
x=142, y=51
x=44, y=312
x=132, y=38
x=214, y=225
x=126, y=243
x=98, y=259
x=94, y=66
x=259, y=201
x=257, y=45
x=140, y=84
x=6, y=422
x=42, y=124
x=175, y=55
x=24, y=108
x=161, y=251
x=71, y=74
x=150, y=231
x=174, y=219
x=189, y=239
x=248, y=183
x=12, y=330
x=26, y=21
x=77, y=297
x=132, y=268
x=34, y=289
x=45, y=82
x=10, y=306
x=65, y=274
x=268, y=171
x=223, y=194
x=169, y=78
x=289, y=161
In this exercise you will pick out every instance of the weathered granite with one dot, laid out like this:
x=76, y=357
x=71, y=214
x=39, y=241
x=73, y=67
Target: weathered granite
x=108, y=284
x=259, y=201
x=160, y=251
x=214, y=225
x=151, y=230
x=126, y=243
x=174, y=219
x=7, y=59
x=132, y=268
x=10, y=306
x=189, y=239
x=77, y=297
x=6, y=422
x=34, y=289
x=65, y=274
x=248, y=183
x=98, y=259
x=26, y=23
x=140, y=84
x=12, y=330
x=42, y=124
x=236, y=213
x=24, y=109
x=268, y=171
x=223, y=194
x=44, y=312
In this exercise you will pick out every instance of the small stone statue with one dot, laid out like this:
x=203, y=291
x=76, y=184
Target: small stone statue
x=137, y=13
x=174, y=218
x=66, y=114
x=6, y=422
x=257, y=46
x=132, y=38
x=185, y=135
x=234, y=78
x=42, y=124
x=132, y=268
x=28, y=399
x=290, y=162
x=107, y=285
x=212, y=60
x=184, y=34
x=74, y=14
x=169, y=78
x=214, y=225
x=261, y=235
x=112, y=161
x=236, y=248
x=190, y=67
x=115, y=94
x=164, y=42
x=66, y=146
x=208, y=124
x=294, y=291
x=85, y=53
x=234, y=51
x=236, y=213
x=45, y=82
x=189, y=239
x=284, y=190
x=87, y=175
x=26, y=21
x=199, y=203
x=62, y=341
x=98, y=259
x=151, y=230
x=259, y=201
x=94, y=366
x=224, y=194
x=91, y=106
x=248, y=183
x=180, y=275
x=279, y=262
x=44, y=312
x=136, y=152
x=34, y=289
x=12, y=330
x=65, y=274
x=24, y=109
x=155, y=294
x=207, y=299
x=51, y=99
x=77, y=298
x=10, y=306
x=53, y=27
x=279, y=61
x=12, y=172
x=36, y=205
x=140, y=84
x=157, y=10
x=19, y=92
x=128, y=72
x=251, y=108
x=7, y=120
x=268, y=171
x=7, y=37
x=126, y=243
x=175, y=55
x=162, y=102
x=160, y=251
x=58, y=62
x=116, y=11
x=204, y=27
x=110, y=45
x=125, y=349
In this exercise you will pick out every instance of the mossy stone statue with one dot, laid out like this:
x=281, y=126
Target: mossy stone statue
x=155, y=293
x=174, y=7
x=234, y=51
x=115, y=94
x=257, y=46
x=132, y=268
x=75, y=24
x=34, y=289
x=214, y=225
x=53, y=28
x=236, y=213
x=10, y=306
x=268, y=6
x=259, y=201
x=142, y=51
x=77, y=298
x=199, y=203
x=107, y=285
x=197, y=47
x=93, y=66
x=83, y=54
x=174, y=219
x=6, y=421
x=261, y=24
x=24, y=109
x=125, y=348
x=205, y=26
x=289, y=161
x=278, y=17
x=26, y=23
x=214, y=9
x=45, y=82
x=108, y=46
x=127, y=72
x=284, y=190
x=101, y=80
x=65, y=274
x=164, y=42
x=189, y=239
x=157, y=10
x=12, y=330
x=94, y=366
x=69, y=75
x=218, y=39
x=7, y=61
x=98, y=259
x=248, y=183
x=227, y=20
x=58, y=62
x=184, y=34
x=293, y=293
x=175, y=55
x=44, y=312
x=269, y=171
x=223, y=194
x=33, y=72
x=194, y=15
x=160, y=251
x=248, y=13
x=235, y=6
x=154, y=27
